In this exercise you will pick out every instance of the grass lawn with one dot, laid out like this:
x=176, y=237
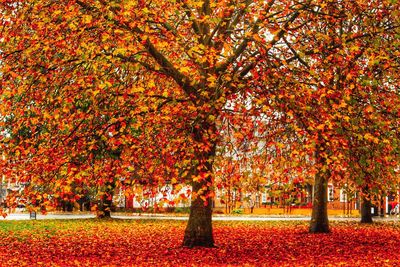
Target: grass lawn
x=157, y=243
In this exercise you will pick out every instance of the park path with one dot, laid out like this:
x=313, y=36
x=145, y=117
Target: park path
x=67, y=216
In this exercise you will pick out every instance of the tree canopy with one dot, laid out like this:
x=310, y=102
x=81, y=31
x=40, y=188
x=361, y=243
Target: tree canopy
x=113, y=93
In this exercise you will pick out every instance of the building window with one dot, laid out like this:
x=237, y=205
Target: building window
x=264, y=198
x=331, y=195
x=343, y=195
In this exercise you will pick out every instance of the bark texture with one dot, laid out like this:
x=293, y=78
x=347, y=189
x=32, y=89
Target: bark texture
x=199, y=228
x=366, y=215
x=319, y=217
x=106, y=201
x=105, y=209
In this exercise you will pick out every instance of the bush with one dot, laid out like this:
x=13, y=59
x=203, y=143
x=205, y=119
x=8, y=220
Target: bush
x=182, y=209
x=237, y=211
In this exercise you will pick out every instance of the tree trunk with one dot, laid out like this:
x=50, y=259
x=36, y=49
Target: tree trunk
x=381, y=206
x=319, y=218
x=366, y=215
x=366, y=205
x=106, y=201
x=199, y=228
x=105, y=208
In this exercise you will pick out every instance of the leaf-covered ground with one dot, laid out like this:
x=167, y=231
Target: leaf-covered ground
x=157, y=243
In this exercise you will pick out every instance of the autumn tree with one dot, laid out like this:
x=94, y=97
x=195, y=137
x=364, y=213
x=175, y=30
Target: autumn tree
x=328, y=54
x=372, y=125
x=347, y=81
x=69, y=64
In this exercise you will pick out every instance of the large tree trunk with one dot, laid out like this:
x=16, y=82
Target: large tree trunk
x=366, y=215
x=105, y=208
x=106, y=201
x=319, y=218
x=199, y=228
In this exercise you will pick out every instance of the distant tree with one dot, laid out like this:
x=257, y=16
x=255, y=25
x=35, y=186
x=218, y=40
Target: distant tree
x=324, y=85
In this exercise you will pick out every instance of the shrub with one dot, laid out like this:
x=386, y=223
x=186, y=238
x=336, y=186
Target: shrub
x=182, y=209
x=237, y=211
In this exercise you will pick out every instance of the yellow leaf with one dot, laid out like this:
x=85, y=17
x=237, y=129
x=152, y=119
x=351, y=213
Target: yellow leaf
x=87, y=19
x=46, y=115
x=119, y=51
x=368, y=136
x=118, y=31
x=137, y=89
x=342, y=104
x=72, y=26
x=105, y=84
x=184, y=70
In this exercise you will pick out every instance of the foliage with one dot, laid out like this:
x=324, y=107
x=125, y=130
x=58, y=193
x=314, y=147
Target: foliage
x=113, y=94
x=155, y=243
x=97, y=92
x=340, y=95
x=339, y=98
x=93, y=90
